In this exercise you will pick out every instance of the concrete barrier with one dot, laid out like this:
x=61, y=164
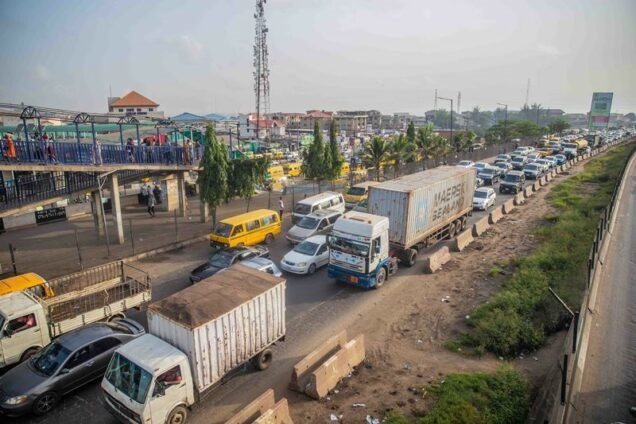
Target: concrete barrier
x=279, y=414
x=528, y=191
x=543, y=180
x=508, y=206
x=548, y=178
x=495, y=215
x=256, y=408
x=519, y=199
x=327, y=375
x=462, y=240
x=302, y=370
x=434, y=261
x=536, y=186
x=480, y=226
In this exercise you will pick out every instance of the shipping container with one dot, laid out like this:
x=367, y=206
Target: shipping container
x=419, y=204
x=222, y=321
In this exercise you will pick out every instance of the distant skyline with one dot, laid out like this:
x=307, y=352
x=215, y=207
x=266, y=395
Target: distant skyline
x=196, y=56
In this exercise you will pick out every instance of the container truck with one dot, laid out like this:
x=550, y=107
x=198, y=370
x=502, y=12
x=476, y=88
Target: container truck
x=405, y=215
x=196, y=338
x=29, y=322
x=575, y=147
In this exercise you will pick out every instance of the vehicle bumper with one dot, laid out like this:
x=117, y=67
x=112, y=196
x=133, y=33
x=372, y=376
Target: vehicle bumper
x=508, y=189
x=16, y=410
x=350, y=205
x=218, y=245
x=293, y=268
x=128, y=417
x=293, y=240
x=531, y=176
x=480, y=207
x=351, y=277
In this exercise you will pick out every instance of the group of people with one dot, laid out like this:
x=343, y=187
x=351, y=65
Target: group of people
x=151, y=197
x=44, y=151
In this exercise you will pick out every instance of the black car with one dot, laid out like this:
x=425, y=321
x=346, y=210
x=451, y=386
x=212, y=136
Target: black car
x=225, y=258
x=512, y=182
x=489, y=174
x=67, y=363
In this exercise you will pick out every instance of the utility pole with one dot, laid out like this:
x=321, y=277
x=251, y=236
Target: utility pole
x=505, y=134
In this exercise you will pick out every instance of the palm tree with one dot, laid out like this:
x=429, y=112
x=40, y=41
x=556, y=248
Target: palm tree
x=375, y=153
x=401, y=151
x=424, y=142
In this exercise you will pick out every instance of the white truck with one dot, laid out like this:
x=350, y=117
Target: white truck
x=29, y=322
x=405, y=215
x=196, y=337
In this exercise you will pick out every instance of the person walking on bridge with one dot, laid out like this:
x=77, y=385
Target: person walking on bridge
x=9, y=146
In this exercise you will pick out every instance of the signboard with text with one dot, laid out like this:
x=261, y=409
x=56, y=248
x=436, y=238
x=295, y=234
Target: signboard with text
x=49, y=215
x=600, y=110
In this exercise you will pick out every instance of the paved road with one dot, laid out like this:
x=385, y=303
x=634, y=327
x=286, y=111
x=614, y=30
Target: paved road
x=315, y=307
x=609, y=379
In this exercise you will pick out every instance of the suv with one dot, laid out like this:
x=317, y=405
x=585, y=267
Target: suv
x=225, y=258
x=318, y=222
x=518, y=163
x=533, y=171
x=512, y=182
x=489, y=174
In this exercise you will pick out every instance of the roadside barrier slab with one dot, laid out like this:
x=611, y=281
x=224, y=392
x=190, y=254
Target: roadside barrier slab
x=495, y=215
x=462, y=240
x=480, y=226
x=508, y=206
x=434, y=261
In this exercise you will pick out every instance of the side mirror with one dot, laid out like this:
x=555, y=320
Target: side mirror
x=377, y=249
x=64, y=371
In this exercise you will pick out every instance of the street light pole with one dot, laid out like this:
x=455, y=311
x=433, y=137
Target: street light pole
x=505, y=121
x=451, y=117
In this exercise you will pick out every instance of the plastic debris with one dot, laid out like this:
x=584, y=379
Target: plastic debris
x=370, y=420
x=336, y=391
x=333, y=417
x=407, y=366
x=359, y=405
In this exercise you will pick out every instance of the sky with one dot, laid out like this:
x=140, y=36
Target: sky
x=390, y=55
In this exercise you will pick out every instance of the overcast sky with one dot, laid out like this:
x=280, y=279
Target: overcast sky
x=389, y=55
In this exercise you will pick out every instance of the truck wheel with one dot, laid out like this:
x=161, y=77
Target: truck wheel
x=264, y=359
x=380, y=278
x=44, y=403
x=178, y=415
x=464, y=220
x=410, y=256
x=451, y=230
x=269, y=239
x=29, y=353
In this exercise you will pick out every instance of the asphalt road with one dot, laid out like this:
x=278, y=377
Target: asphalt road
x=316, y=308
x=609, y=379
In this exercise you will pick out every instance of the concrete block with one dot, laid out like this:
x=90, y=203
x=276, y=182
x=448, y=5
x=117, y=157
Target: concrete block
x=543, y=180
x=495, y=215
x=327, y=375
x=19, y=221
x=256, y=408
x=279, y=414
x=508, y=206
x=528, y=191
x=434, y=261
x=536, y=186
x=548, y=178
x=519, y=199
x=462, y=240
x=302, y=370
x=480, y=227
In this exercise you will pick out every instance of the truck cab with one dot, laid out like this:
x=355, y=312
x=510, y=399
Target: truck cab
x=23, y=328
x=148, y=381
x=359, y=250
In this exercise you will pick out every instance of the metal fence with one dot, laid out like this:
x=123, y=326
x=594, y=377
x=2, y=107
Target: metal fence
x=555, y=396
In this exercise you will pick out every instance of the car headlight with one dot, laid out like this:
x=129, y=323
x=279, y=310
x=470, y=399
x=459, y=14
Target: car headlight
x=301, y=264
x=16, y=400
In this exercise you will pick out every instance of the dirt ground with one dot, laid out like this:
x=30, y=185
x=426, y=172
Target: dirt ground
x=405, y=334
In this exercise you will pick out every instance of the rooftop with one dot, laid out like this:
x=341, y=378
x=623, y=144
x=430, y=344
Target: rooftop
x=134, y=99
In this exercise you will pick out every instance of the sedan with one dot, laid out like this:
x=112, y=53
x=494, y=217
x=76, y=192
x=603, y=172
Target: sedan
x=518, y=163
x=504, y=166
x=533, y=171
x=560, y=159
x=263, y=264
x=533, y=157
x=67, y=363
x=546, y=164
x=503, y=157
x=307, y=256
x=489, y=174
x=480, y=165
x=465, y=163
x=225, y=258
x=483, y=198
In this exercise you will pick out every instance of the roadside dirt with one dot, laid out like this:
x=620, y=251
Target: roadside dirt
x=405, y=334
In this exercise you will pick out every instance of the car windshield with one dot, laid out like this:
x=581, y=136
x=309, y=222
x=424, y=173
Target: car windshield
x=222, y=229
x=479, y=165
x=128, y=378
x=221, y=259
x=308, y=223
x=488, y=171
x=302, y=208
x=512, y=178
x=501, y=165
x=348, y=246
x=306, y=248
x=464, y=163
x=356, y=191
x=49, y=359
x=532, y=167
x=480, y=194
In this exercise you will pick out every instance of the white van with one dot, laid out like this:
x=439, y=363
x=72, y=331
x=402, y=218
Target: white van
x=326, y=200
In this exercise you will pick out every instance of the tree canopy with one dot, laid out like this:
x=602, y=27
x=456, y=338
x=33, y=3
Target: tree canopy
x=213, y=177
x=245, y=176
x=558, y=126
x=375, y=153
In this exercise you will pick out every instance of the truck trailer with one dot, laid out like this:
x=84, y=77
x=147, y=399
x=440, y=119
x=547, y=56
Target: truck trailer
x=405, y=215
x=196, y=338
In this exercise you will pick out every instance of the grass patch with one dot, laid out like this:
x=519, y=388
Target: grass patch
x=476, y=398
x=523, y=313
x=495, y=271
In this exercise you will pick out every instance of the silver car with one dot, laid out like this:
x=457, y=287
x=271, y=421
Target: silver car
x=263, y=264
x=318, y=222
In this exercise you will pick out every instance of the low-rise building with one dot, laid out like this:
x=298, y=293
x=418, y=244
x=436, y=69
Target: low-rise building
x=133, y=104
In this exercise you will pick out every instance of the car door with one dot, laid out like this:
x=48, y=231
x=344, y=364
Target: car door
x=492, y=197
x=102, y=351
x=20, y=334
x=322, y=227
x=322, y=255
x=77, y=369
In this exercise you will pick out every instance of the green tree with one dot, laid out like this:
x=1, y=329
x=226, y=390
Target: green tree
x=410, y=133
x=333, y=158
x=440, y=147
x=558, y=126
x=442, y=118
x=245, y=176
x=313, y=158
x=213, y=177
x=401, y=151
x=424, y=141
x=375, y=153
x=463, y=140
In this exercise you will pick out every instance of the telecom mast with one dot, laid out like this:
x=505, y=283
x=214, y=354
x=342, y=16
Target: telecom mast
x=261, y=68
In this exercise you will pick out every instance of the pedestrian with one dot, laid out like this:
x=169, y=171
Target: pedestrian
x=151, y=206
x=9, y=146
x=167, y=152
x=144, y=195
x=97, y=153
x=187, y=156
x=39, y=154
x=157, y=194
x=50, y=153
x=130, y=150
x=281, y=208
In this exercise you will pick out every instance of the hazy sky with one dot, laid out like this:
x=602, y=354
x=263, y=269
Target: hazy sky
x=389, y=55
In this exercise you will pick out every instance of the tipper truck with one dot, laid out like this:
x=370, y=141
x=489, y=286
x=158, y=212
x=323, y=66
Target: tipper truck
x=573, y=148
x=29, y=322
x=196, y=338
x=405, y=215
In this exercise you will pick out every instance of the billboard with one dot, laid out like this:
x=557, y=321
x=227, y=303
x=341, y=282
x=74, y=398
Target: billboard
x=600, y=110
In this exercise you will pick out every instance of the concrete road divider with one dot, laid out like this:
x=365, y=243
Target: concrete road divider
x=548, y=178
x=528, y=191
x=495, y=215
x=508, y=206
x=327, y=375
x=558, y=170
x=434, y=261
x=462, y=240
x=480, y=226
x=519, y=199
x=303, y=369
x=543, y=180
x=536, y=186
x=263, y=410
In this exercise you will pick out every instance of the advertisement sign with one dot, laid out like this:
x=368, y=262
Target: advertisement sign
x=50, y=215
x=600, y=110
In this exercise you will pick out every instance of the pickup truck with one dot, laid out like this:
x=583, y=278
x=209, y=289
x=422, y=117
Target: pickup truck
x=29, y=322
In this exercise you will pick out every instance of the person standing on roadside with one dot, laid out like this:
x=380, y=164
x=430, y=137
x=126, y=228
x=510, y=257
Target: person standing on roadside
x=151, y=206
x=281, y=208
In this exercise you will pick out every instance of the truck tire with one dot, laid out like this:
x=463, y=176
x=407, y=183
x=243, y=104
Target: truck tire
x=178, y=415
x=264, y=359
x=380, y=278
x=451, y=230
x=29, y=353
x=464, y=222
x=458, y=226
x=410, y=256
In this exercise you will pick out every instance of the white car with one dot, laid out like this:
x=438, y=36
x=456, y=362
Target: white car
x=307, y=257
x=480, y=165
x=483, y=198
x=466, y=163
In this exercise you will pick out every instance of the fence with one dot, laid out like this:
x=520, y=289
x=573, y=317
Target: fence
x=555, y=396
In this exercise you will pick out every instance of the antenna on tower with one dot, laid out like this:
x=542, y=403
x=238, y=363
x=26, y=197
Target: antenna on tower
x=459, y=101
x=527, y=93
x=435, y=102
x=261, y=68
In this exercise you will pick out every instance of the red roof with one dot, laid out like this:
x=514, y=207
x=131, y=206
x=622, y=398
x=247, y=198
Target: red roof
x=319, y=114
x=134, y=99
